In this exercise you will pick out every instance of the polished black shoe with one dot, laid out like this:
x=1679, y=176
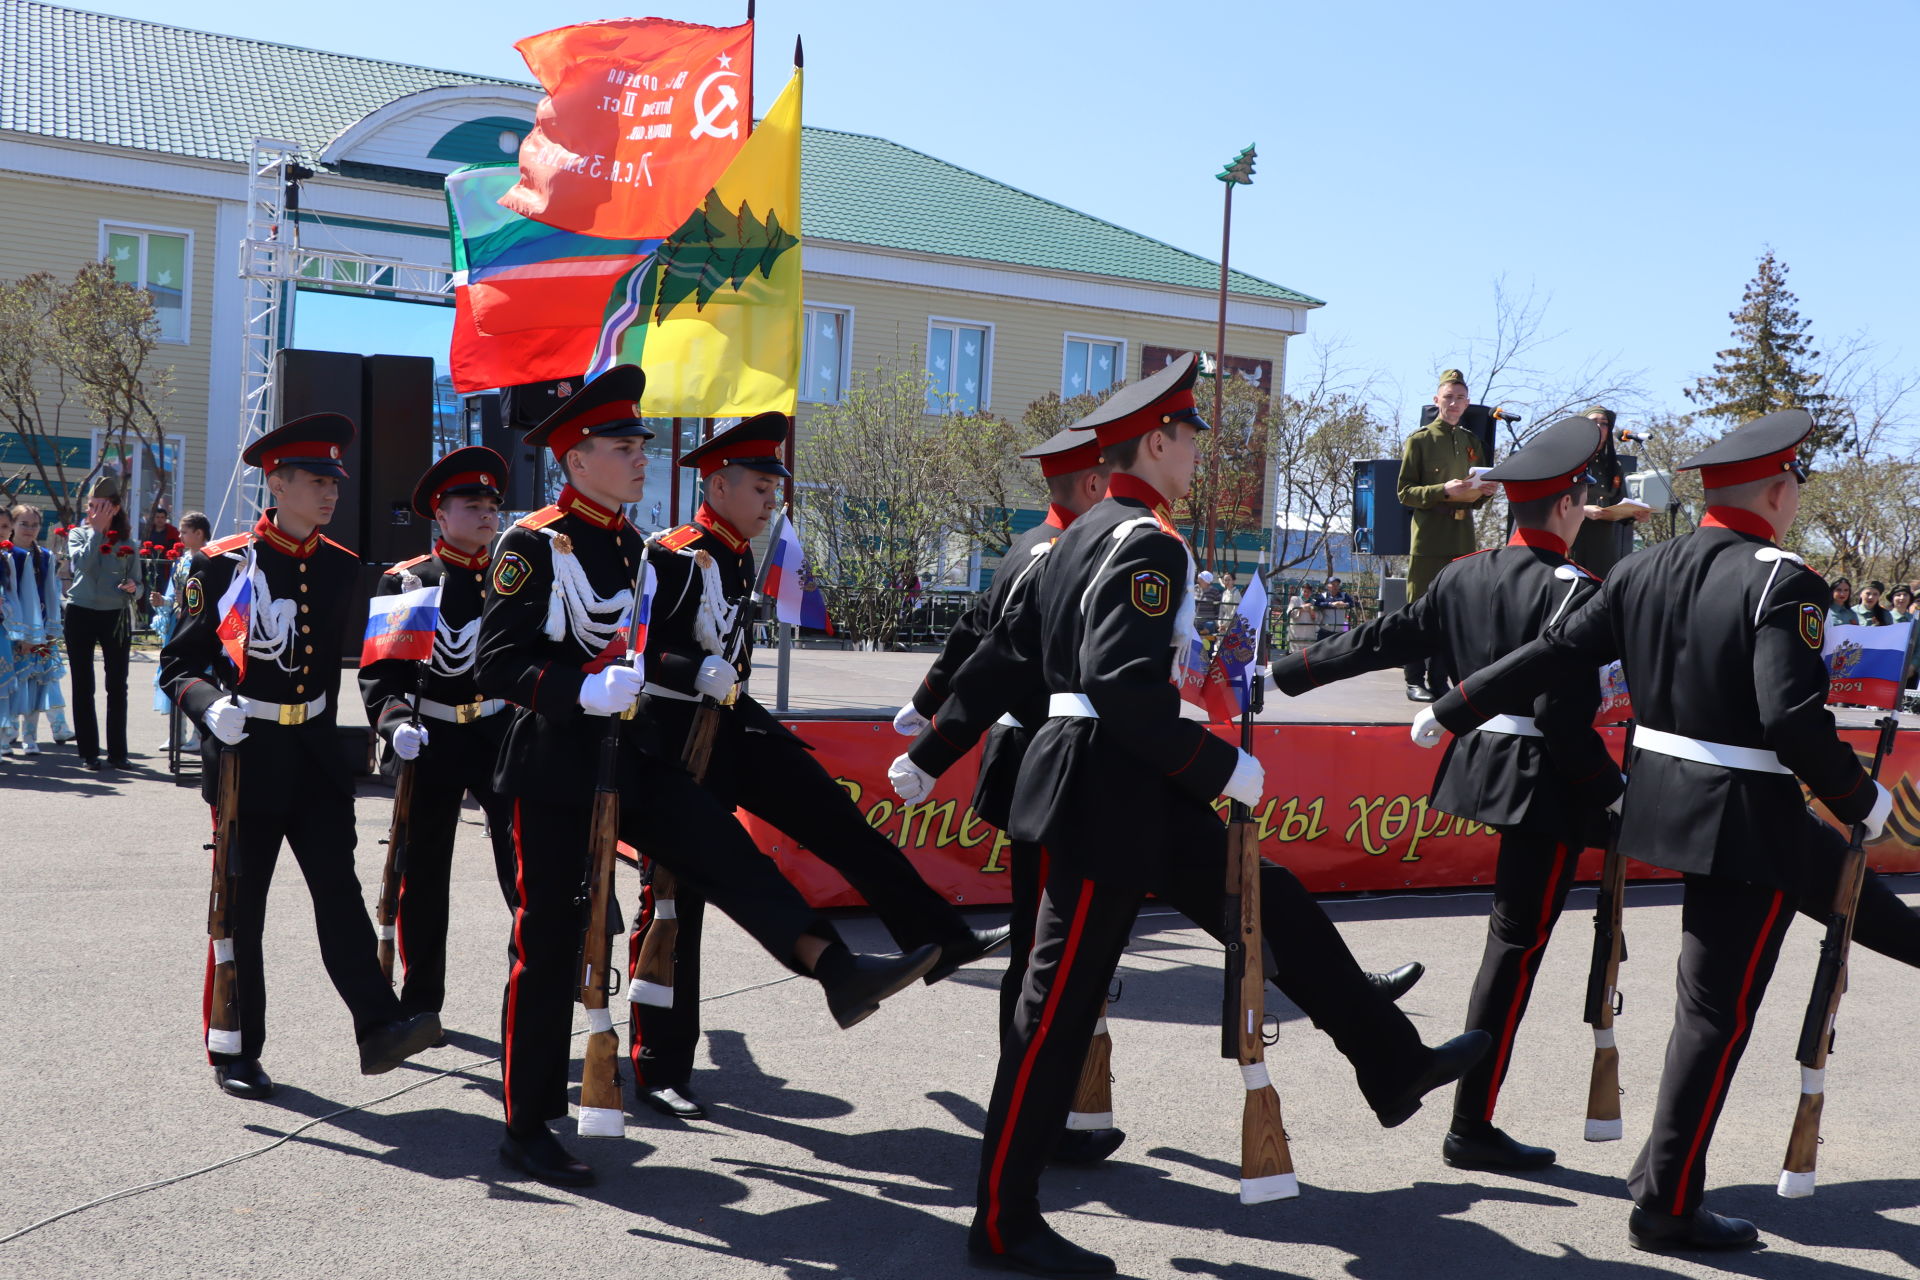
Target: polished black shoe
x=1686, y=1232
x=91, y=764
x=1491, y=1148
x=1082, y=1147
x=678, y=1103
x=961, y=952
x=540, y=1156
x=1395, y=983
x=119, y=762
x=1419, y=693
x=1450, y=1061
x=855, y=985
x=244, y=1079
x=392, y=1043
x=1047, y=1253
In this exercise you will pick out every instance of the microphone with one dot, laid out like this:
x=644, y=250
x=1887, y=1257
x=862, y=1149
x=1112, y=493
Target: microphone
x=1507, y=415
x=1634, y=435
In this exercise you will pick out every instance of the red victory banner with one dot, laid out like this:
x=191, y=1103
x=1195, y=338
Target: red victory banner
x=641, y=117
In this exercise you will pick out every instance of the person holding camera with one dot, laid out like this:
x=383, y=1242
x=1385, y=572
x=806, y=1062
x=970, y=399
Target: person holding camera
x=1437, y=482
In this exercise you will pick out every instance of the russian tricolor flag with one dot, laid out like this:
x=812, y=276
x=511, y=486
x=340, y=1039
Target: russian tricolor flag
x=236, y=616
x=402, y=626
x=1866, y=666
x=1238, y=650
x=632, y=635
x=795, y=592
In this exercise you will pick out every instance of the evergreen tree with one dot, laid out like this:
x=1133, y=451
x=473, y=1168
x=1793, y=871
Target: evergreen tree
x=1771, y=364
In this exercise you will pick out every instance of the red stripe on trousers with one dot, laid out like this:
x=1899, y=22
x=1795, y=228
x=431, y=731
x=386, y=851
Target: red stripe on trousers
x=1720, y=1074
x=1525, y=984
x=206, y=988
x=1026, y=1065
x=519, y=962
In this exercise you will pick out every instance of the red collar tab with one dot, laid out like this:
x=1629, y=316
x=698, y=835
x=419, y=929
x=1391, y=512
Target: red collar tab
x=452, y=555
x=1728, y=474
x=1172, y=407
x=1058, y=516
x=575, y=503
x=707, y=518
x=269, y=532
x=1537, y=538
x=1738, y=519
x=1068, y=461
x=1134, y=489
x=572, y=432
x=736, y=451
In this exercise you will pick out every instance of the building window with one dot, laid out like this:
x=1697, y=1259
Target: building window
x=825, y=339
x=159, y=260
x=1092, y=365
x=959, y=366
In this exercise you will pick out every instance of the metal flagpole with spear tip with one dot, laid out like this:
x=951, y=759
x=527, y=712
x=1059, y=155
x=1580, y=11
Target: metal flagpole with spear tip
x=1238, y=173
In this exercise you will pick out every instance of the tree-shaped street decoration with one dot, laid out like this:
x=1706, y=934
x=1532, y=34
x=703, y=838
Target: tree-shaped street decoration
x=717, y=248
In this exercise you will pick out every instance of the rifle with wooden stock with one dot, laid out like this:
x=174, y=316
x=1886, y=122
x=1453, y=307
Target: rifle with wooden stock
x=1604, y=1001
x=399, y=835
x=223, y=1011
x=1823, y=1005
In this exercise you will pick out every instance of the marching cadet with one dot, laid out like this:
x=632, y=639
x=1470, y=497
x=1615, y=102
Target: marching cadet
x=295, y=783
x=1119, y=789
x=699, y=648
x=552, y=640
x=1543, y=779
x=1436, y=481
x=432, y=712
x=1719, y=635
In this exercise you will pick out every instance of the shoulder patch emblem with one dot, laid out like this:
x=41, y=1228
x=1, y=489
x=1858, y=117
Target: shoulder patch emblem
x=679, y=539
x=511, y=573
x=196, y=598
x=1813, y=625
x=1152, y=594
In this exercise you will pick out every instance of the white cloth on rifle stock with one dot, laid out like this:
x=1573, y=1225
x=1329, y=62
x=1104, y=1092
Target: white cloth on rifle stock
x=227, y=1042
x=387, y=933
x=1700, y=751
x=656, y=995
x=1518, y=726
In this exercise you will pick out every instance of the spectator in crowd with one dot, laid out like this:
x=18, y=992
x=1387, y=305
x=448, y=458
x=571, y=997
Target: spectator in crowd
x=8, y=592
x=195, y=531
x=1900, y=605
x=1330, y=610
x=1871, y=612
x=1437, y=482
x=101, y=551
x=160, y=527
x=1229, y=596
x=37, y=628
x=1840, y=613
x=1206, y=604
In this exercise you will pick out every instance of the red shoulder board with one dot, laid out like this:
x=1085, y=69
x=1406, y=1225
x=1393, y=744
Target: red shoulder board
x=1471, y=554
x=682, y=538
x=541, y=518
x=405, y=565
x=225, y=545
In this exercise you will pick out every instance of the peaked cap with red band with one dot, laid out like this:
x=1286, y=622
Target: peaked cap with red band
x=1139, y=407
x=607, y=406
x=1762, y=448
x=1065, y=452
x=474, y=469
x=316, y=443
x=1553, y=461
x=754, y=444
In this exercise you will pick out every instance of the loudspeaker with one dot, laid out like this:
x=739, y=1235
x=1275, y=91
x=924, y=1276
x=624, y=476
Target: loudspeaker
x=1381, y=526
x=486, y=422
x=327, y=382
x=527, y=406
x=396, y=447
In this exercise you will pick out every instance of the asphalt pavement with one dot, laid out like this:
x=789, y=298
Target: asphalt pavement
x=837, y=1154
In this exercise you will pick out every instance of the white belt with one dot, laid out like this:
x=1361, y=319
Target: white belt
x=1071, y=706
x=284, y=712
x=1518, y=726
x=1009, y=721
x=463, y=713
x=1681, y=747
x=653, y=690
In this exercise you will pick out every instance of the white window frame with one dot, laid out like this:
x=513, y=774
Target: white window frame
x=144, y=229
x=846, y=347
x=1120, y=359
x=986, y=363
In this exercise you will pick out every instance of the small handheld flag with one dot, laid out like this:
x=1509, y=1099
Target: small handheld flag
x=1866, y=665
x=632, y=635
x=236, y=616
x=791, y=584
x=1238, y=650
x=402, y=626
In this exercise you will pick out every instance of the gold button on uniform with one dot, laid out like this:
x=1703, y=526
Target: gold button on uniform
x=303, y=587
x=299, y=688
x=303, y=566
x=303, y=609
x=304, y=628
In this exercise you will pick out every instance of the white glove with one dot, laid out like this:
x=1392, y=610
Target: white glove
x=408, y=739
x=1876, y=819
x=716, y=679
x=908, y=722
x=910, y=782
x=611, y=690
x=227, y=721
x=1248, y=783
x=1426, y=730
x=1620, y=799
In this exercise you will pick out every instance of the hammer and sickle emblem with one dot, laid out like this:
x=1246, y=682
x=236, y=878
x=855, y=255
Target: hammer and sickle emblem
x=704, y=125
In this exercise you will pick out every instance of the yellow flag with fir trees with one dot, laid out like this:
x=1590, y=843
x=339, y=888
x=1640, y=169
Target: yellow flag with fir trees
x=713, y=317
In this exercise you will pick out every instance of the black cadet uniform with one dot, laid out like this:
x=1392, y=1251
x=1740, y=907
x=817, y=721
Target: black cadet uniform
x=1119, y=790
x=756, y=764
x=295, y=781
x=1543, y=780
x=464, y=730
x=560, y=591
x=1719, y=635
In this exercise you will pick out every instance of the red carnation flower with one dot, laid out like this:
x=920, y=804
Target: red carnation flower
x=179, y=546
x=6, y=546
x=174, y=554
x=126, y=550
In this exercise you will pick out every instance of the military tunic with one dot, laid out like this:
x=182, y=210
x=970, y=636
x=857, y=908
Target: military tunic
x=1442, y=530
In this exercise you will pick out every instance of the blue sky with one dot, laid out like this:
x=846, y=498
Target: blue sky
x=1630, y=161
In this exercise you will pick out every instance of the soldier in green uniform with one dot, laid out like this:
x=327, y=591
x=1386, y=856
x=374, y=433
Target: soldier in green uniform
x=1434, y=481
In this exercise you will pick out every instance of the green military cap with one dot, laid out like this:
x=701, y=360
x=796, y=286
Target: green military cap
x=1452, y=375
